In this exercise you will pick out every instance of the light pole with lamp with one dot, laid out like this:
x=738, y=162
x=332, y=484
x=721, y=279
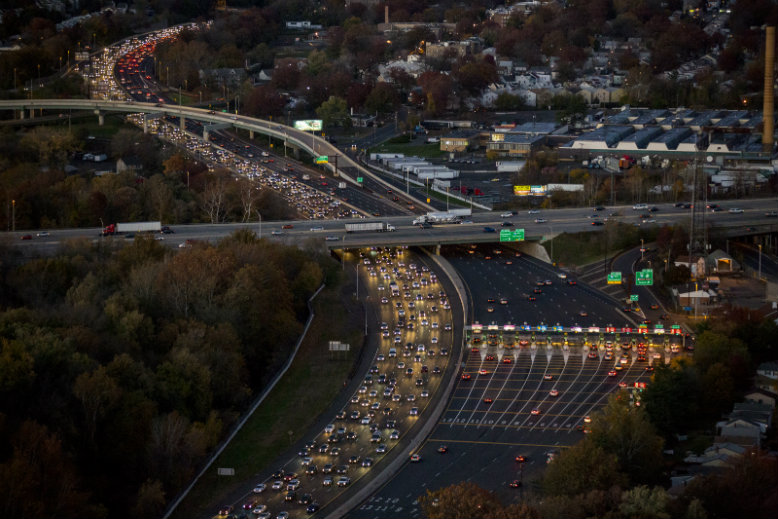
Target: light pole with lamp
x=260, y=224
x=551, y=231
x=642, y=249
x=760, y=261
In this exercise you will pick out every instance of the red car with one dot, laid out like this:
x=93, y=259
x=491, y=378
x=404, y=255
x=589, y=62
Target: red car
x=488, y=401
x=27, y=237
x=535, y=412
x=465, y=376
x=490, y=357
x=521, y=459
x=506, y=360
x=515, y=483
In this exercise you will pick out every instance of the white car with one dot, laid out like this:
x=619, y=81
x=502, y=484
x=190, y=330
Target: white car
x=344, y=481
x=735, y=210
x=317, y=228
x=506, y=214
x=533, y=211
x=639, y=207
x=540, y=220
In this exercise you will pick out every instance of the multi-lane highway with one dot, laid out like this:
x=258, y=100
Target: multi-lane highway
x=411, y=340
x=332, y=233
x=520, y=394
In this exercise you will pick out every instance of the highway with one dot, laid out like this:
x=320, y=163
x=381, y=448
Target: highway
x=410, y=344
x=332, y=234
x=503, y=405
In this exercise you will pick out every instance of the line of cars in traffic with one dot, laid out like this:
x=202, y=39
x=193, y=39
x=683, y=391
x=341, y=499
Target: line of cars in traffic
x=413, y=340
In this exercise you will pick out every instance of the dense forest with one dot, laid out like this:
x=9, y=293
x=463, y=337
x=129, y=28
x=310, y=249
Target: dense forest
x=121, y=366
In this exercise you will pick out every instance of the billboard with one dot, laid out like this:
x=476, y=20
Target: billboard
x=308, y=125
x=529, y=190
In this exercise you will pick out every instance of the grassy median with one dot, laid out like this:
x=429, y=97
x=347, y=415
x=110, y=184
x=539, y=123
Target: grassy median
x=308, y=389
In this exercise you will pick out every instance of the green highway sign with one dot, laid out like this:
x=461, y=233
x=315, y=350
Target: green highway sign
x=644, y=277
x=633, y=297
x=323, y=159
x=511, y=235
x=614, y=278
x=359, y=179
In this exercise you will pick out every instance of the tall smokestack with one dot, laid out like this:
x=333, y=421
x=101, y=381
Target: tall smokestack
x=769, y=105
x=386, y=14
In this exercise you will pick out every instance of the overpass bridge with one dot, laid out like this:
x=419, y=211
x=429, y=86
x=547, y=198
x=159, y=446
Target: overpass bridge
x=344, y=167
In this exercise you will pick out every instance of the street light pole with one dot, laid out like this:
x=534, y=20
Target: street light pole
x=760, y=261
x=260, y=224
x=641, y=249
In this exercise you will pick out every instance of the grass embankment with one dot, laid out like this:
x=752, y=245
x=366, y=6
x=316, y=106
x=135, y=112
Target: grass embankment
x=583, y=248
x=308, y=388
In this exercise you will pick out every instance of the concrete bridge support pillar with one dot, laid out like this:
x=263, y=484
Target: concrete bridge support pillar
x=206, y=135
x=21, y=114
x=100, y=118
x=32, y=113
x=182, y=123
x=296, y=153
x=145, y=123
x=251, y=134
x=437, y=249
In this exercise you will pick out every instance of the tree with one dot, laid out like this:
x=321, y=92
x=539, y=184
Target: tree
x=264, y=101
x=668, y=413
x=601, y=468
x=249, y=195
x=712, y=347
x=508, y=102
x=474, y=76
x=151, y=499
x=626, y=432
x=334, y=112
x=382, y=99
x=97, y=392
x=462, y=500
x=719, y=390
x=16, y=366
x=39, y=479
x=644, y=503
x=286, y=74
x=746, y=488
x=214, y=198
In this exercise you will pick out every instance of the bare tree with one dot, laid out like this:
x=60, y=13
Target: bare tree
x=213, y=200
x=249, y=195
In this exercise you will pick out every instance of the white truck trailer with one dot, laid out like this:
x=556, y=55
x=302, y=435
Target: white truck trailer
x=369, y=226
